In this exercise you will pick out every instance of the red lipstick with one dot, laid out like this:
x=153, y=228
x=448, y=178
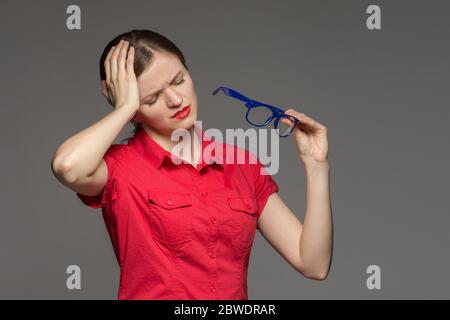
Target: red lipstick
x=181, y=114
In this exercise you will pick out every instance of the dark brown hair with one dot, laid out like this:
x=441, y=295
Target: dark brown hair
x=143, y=41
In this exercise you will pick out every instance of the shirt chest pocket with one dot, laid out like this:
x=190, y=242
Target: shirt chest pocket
x=243, y=211
x=170, y=216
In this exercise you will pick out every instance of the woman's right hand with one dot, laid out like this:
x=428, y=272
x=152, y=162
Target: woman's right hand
x=121, y=82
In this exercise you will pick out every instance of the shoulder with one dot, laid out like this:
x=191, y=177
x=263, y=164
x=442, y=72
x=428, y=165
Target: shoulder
x=117, y=151
x=117, y=157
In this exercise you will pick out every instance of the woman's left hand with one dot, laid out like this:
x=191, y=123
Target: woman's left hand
x=310, y=137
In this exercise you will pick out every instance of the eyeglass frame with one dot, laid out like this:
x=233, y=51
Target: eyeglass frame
x=277, y=113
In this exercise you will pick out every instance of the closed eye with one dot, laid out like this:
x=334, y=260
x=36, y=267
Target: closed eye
x=179, y=82
x=176, y=83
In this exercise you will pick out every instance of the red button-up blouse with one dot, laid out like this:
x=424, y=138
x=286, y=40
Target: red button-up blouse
x=181, y=232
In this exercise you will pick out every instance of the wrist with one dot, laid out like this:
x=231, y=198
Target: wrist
x=127, y=107
x=311, y=163
x=130, y=111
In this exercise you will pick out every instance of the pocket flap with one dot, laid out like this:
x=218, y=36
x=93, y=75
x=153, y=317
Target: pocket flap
x=245, y=204
x=169, y=199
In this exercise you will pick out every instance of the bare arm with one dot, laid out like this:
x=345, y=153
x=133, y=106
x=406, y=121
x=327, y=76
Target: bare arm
x=78, y=162
x=80, y=155
x=306, y=247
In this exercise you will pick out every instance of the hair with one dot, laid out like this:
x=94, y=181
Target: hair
x=143, y=41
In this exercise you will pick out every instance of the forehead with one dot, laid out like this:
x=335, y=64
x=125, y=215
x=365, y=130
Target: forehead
x=159, y=72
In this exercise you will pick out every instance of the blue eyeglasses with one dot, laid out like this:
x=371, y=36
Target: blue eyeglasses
x=261, y=114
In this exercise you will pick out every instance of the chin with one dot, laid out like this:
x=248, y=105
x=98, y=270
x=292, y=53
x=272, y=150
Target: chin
x=188, y=122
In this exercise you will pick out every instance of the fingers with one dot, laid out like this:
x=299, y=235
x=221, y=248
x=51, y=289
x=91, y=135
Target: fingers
x=113, y=61
x=287, y=121
x=130, y=62
x=118, y=62
x=122, y=57
x=107, y=65
x=304, y=119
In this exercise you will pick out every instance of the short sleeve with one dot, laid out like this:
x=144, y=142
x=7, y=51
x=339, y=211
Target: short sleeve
x=100, y=200
x=265, y=185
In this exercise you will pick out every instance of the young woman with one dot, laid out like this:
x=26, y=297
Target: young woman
x=185, y=230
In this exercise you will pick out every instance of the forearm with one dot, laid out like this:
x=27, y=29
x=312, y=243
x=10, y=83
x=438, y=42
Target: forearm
x=316, y=241
x=80, y=155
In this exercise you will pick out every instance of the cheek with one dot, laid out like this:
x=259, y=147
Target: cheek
x=150, y=113
x=190, y=87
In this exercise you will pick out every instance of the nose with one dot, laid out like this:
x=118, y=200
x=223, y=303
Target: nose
x=173, y=98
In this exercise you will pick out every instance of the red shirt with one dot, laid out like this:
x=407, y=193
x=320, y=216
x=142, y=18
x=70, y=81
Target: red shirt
x=180, y=232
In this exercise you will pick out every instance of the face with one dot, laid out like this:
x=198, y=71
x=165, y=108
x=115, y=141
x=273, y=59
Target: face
x=165, y=87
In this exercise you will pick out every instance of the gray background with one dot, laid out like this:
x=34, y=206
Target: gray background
x=383, y=95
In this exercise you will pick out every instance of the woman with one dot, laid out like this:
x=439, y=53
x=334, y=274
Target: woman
x=185, y=230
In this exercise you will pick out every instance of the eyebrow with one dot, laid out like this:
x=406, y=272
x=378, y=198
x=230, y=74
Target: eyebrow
x=158, y=91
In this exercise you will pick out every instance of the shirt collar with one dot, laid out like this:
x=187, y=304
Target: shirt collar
x=144, y=144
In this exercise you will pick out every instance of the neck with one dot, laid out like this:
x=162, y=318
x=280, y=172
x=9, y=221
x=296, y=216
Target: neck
x=167, y=144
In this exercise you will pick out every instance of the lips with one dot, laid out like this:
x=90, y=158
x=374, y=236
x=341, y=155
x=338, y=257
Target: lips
x=182, y=113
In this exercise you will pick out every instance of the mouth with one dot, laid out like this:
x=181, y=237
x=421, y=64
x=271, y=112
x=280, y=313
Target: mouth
x=180, y=114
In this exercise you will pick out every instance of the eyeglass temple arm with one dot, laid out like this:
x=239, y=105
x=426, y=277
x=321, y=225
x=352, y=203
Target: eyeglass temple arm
x=248, y=102
x=234, y=94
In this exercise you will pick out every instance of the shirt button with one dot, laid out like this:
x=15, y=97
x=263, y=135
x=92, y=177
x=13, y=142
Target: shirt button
x=213, y=220
x=204, y=193
x=211, y=254
x=169, y=202
x=213, y=289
